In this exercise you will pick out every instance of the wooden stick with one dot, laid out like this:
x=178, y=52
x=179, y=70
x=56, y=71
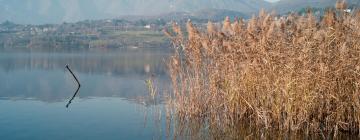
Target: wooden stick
x=79, y=85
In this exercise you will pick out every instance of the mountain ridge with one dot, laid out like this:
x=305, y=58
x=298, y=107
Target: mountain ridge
x=57, y=11
x=284, y=6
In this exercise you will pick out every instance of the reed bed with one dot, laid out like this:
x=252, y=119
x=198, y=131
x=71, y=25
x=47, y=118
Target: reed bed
x=296, y=74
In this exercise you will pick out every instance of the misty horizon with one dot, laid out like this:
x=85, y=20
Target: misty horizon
x=59, y=11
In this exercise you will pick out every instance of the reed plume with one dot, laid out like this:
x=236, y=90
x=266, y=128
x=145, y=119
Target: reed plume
x=341, y=5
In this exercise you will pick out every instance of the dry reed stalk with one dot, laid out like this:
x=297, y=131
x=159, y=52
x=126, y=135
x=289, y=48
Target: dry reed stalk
x=297, y=74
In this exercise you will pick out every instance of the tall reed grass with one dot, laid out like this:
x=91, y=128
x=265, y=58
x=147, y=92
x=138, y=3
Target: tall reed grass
x=296, y=74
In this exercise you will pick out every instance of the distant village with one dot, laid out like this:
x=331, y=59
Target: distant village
x=84, y=34
x=108, y=33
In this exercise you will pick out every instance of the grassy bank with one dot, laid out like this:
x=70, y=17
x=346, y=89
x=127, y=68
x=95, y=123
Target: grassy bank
x=295, y=74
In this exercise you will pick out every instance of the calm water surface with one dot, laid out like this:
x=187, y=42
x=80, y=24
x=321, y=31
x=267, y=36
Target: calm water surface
x=112, y=102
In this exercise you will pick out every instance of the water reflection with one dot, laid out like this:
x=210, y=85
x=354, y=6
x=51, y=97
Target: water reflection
x=102, y=73
x=35, y=87
x=111, y=62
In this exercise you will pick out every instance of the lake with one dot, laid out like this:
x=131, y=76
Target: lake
x=112, y=102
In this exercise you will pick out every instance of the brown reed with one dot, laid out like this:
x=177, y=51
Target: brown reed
x=293, y=74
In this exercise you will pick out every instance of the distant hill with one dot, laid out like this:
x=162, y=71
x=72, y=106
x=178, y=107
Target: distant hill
x=283, y=6
x=57, y=11
x=218, y=14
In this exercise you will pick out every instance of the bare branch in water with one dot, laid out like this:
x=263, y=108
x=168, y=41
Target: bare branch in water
x=79, y=85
